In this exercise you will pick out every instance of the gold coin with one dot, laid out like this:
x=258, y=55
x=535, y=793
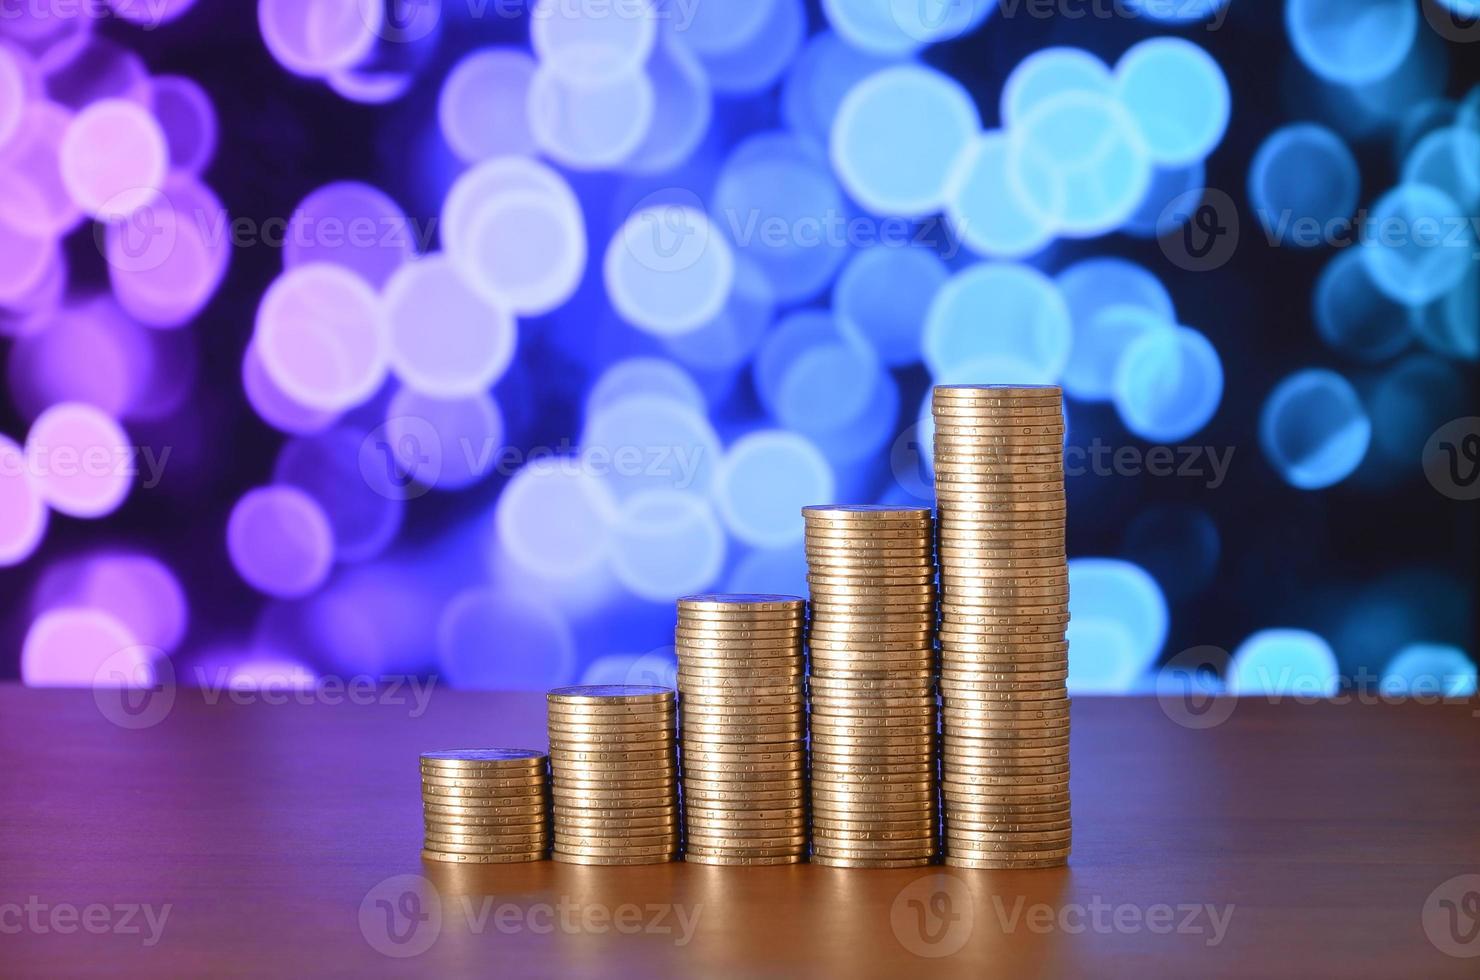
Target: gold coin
x=445, y=847
x=871, y=686
x=863, y=799
x=990, y=865
x=987, y=776
x=612, y=859
x=874, y=839
x=963, y=678
x=701, y=726
x=954, y=430
x=626, y=782
x=911, y=708
x=864, y=513
x=615, y=849
x=788, y=756
x=864, y=578
x=487, y=841
x=728, y=818
x=772, y=668
x=730, y=860
x=445, y=808
x=562, y=756
x=534, y=817
x=869, y=547
x=769, y=676
x=665, y=825
x=740, y=602
x=752, y=788
x=493, y=784
x=887, y=631
x=990, y=650
x=988, y=699
x=927, y=851
x=992, y=829
x=1004, y=794
x=827, y=533
x=959, y=476
x=970, y=691
x=738, y=632
x=611, y=694
x=750, y=855
x=864, y=566
x=831, y=736
x=585, y=734
x=612, y=712
x=511, y=795
x=986, y=850
x=517, y=858
x=989, y=754
x=795, y=794
x=637, y=816
x=511, y=759
x=1005, y=406
x=615, y=840
x=966, y=746
x=757, y=702
x=606, y=720
x=828, y=861
x=650, y=770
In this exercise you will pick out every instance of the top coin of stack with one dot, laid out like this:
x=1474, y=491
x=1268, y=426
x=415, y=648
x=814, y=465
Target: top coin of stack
x=743, y=728
x=999, y=469
x=872, y=686
x=485, y=806
x=614, y=774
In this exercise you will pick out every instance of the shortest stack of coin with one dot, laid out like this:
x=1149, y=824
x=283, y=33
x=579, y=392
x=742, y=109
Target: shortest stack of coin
x=614, y=773
x=485, y=806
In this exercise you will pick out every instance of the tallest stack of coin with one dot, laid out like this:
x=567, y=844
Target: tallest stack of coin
x=743, y=728
x=872, y=686
x=999, y=472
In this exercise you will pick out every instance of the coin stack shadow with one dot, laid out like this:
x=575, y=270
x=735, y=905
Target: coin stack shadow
x=871, y=639
x=743, y=728
x=485, y=806
x=614, y=772
x=999, y=471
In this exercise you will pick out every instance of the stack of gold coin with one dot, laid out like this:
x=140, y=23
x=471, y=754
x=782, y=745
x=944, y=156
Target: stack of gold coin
x=999, y=470
x=743, y=728
x=614, y=771
x=872, y=686
x=485, y=806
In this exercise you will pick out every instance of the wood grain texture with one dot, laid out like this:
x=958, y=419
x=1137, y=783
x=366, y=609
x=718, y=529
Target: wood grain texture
x=1325, y=827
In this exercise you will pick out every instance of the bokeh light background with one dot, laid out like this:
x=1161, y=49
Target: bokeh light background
x=345, y=337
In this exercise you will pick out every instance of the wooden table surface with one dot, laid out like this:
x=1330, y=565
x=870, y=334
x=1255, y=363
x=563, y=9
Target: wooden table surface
x=1290, y=840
